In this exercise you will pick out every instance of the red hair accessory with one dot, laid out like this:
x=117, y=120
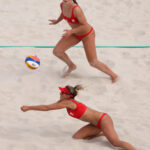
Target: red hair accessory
x=65, y=90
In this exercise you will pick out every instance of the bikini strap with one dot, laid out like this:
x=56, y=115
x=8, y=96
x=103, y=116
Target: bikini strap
x=73, y=9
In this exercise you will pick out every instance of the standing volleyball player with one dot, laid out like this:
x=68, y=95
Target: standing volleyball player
x=80, y=31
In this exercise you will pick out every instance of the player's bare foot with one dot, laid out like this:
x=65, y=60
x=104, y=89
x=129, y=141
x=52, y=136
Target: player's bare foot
x=115, y=78
x=70, y=69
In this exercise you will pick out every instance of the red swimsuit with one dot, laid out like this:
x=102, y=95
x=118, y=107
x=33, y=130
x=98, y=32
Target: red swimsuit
x=100, y=119
x=79, y=111
x=74, y=20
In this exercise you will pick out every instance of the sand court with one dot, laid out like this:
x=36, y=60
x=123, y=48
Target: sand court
x=127, y=101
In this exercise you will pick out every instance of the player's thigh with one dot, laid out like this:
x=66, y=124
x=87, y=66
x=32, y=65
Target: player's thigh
x=89, y=47
x=88, y=130
x=65, y=43
x=108, y=129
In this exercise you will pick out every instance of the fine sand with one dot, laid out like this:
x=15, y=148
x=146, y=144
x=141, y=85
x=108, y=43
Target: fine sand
x=127, y=101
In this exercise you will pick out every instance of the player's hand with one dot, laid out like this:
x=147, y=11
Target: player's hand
x=52, y=21
x=24, y=108
x=67, y=33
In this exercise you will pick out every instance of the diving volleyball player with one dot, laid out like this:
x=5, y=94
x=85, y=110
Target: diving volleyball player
x=80, y=31
x=99, y=122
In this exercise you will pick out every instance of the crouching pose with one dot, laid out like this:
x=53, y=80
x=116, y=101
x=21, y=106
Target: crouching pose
x=99, y=122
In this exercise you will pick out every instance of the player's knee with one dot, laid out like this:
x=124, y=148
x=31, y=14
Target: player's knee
x=76, y=136
x=93, y=63
x=57, y=52
x=115, y=143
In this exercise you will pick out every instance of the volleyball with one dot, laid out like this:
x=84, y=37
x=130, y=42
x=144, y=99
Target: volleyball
x=33, y=62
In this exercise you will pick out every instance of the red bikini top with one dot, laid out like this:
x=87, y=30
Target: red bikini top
x=72, y=19
x=79, y=111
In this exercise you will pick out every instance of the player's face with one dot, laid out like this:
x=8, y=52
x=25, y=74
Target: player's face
x=63, y=95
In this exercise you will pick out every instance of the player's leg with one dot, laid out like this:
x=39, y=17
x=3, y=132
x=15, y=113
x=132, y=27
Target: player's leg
x=60, y=48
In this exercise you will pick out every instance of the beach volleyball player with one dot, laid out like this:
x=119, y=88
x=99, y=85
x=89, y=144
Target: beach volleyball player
x=98, y=122
x=80, y=31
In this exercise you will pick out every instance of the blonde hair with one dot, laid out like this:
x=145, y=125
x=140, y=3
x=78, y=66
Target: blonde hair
x=74, y=90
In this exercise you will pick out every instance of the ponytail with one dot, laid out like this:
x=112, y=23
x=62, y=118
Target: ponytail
x=74, y=90
x=78, y=87
x=75, y=2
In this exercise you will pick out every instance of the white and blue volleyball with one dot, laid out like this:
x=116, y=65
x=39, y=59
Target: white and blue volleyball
x=33, y=62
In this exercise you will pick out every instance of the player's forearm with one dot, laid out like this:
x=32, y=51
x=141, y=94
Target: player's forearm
x=39, y=108
x=60, y=18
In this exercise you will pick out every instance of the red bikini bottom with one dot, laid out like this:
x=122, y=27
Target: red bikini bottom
x=100, y=119
x=82, y=36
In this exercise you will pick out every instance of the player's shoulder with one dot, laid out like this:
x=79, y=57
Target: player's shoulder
x=78, y=10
